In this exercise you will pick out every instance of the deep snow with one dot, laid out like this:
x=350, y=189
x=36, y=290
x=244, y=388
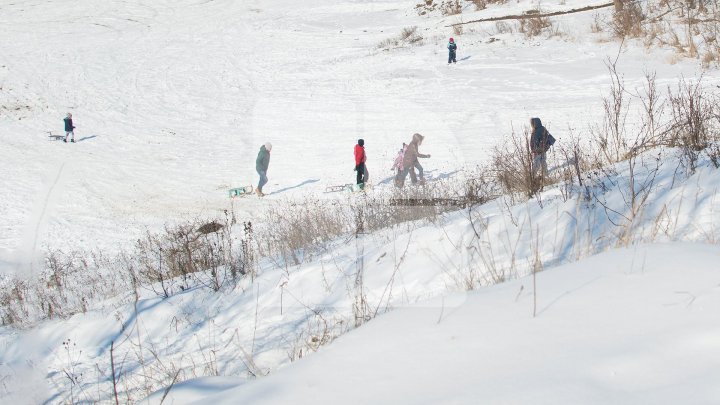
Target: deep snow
x=625, y=327
x=172, y=100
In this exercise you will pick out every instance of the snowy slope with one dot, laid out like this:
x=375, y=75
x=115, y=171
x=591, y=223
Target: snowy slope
x=630, y=326
x=172, y=100
x=288, y=313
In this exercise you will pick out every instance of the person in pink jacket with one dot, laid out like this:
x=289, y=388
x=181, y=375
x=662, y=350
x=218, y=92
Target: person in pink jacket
x=398, y=163
x=410, y=162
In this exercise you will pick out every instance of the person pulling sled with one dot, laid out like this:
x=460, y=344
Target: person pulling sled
x=262, y=162
x=360, y=167
x=69, y=128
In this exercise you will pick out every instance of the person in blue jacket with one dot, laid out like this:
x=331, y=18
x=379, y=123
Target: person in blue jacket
x=452, y=47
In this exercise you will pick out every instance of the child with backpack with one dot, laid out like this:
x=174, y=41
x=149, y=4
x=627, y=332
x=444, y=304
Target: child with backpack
x=398, y=164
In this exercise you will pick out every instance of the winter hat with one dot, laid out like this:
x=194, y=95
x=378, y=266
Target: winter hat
x=361, y=142
x=268, y=146
x=535, y=122
x=452, y=40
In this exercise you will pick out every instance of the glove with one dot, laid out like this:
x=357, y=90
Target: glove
x=428, y=155
x=355, y=169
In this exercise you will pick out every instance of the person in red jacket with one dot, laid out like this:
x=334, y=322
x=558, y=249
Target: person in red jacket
x=360, y=168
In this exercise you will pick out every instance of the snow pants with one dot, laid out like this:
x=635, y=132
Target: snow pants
x=263, y=179
x=362, y=173
x=539, y=163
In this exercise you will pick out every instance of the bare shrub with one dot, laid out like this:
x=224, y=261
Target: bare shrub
x=408, y=36
x=294, y=231
x=67, y=285
x=318, y=331
x=692, y=49
x=388, y=43
x=479, y=4
x=408, y=33
x=482, y=4
x=691, y=28
x=691, y=126
x=691, y=123
x=484, y=267
x=656, y=32
x=693, y=111
x=502, y=27
x=191, y=252
x=248, y=250
x=13, y=305
x=674, y=41
x=481, y=186
x=627, y=22
x=458, y=30
x=512, y=166
x=535, y=26
x=597, y=24
x=577, y=158
x=611, y=137
x=652, y=114
x=206, y=253
x=291, y=229
x=450, y=7
x=446, y=7
x=710, y=58
x=616, y=145
x=713, y=153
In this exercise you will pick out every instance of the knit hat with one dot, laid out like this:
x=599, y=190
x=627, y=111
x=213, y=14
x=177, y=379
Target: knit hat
x=452, y=40
x=361, y=142
x=268, y=146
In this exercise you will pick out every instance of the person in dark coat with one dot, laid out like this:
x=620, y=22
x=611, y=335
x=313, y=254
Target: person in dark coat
x=540, y=141
x=69, y=128
x=360, y=167
x=452, y=48
x=261, y=166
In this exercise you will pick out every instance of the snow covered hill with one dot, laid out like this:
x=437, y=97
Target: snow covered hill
x=172, y=100
x=630, y=326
